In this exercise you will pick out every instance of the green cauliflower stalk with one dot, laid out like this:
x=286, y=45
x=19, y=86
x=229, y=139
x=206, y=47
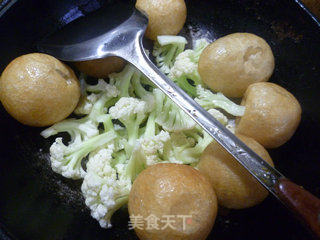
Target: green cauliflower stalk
x=66, y=160
x=185, y=69
x=131, y=112
x=91, y=93
x=166, y=49
x=78, y=129
x=148, y=149
x=186, y=147
x=88, y=125
x=209, y=100
x=169, y=116
x=122, y=80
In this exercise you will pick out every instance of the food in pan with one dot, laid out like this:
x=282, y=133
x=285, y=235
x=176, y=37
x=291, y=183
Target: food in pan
x=101, y=68
x=175, y=190
x=123, y=125
x=39, y=90
x=166, y=17
x=272, y=114
x=235, y=187
x=126, y=124
x=233, y=62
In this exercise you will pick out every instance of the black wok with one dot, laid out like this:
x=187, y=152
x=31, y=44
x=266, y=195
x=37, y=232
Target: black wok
x=36, y=203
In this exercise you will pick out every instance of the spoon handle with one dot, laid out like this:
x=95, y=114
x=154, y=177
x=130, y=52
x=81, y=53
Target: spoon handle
x=261, y=170
x=301, y=202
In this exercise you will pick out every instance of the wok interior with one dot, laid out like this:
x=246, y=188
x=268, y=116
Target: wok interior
x=36, y=203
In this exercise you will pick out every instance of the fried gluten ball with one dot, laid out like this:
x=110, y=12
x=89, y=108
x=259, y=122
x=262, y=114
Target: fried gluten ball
x=101, y=68
x=272, y=114
x=231, y=63
x=175, y=190
x=233, y=184
x=166, y=17
x=39, y=90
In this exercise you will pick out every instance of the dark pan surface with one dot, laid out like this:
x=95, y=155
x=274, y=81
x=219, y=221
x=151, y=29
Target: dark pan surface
x=36, y=203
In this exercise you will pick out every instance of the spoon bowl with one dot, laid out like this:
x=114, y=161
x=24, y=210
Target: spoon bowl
x=96, y=36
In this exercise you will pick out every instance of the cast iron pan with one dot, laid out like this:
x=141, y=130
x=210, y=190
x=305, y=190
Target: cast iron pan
x=36, y=203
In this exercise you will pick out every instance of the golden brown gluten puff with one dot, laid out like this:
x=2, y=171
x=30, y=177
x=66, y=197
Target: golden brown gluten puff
x=174, y=190
x=39, y=90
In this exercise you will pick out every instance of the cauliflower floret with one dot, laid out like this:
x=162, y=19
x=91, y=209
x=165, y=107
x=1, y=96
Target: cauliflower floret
x=141, y=92
x=69, y=166
x=126, y=107
x=131, y=112
x=169, y=116
x=120, y=167
x=104, y=188
x=186, y=62
x=166, y=50
x=186, y=147
x=231, y=125
x=199, y=46
x=184, y=65
x=99, y=161
x=86, y=103
x=83, y=127
x=89, y=128
x=104, y=87
x=209, y=100
x=118, y=127
x=98, y=197
x=66, y=160
x=185, y=68
x=57, y=150
x=86, y=126
x=105, y=195
x=151, y=147
x=218, y=115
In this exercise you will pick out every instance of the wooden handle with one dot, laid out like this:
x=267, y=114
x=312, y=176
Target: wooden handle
x=314, y=6
x=305, y=205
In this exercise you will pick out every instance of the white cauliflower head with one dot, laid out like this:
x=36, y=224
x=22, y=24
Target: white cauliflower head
x=100, y=160
x=86, y=103
x=126, y=107
x=183, y=65
x=102, y=86
x=186, y=63
x=64, y=164
x=105, y=195
x=152, y=146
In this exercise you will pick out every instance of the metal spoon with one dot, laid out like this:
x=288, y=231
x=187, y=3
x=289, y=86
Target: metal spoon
x=114, y=34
